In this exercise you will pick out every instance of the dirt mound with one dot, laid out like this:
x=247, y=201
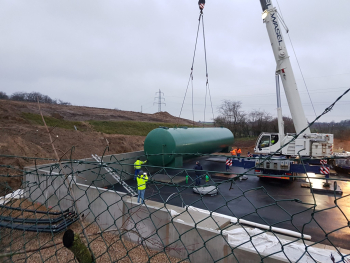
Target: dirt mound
x=33, y=141
x=166, y=117
x=20, y=138
x=11, y=111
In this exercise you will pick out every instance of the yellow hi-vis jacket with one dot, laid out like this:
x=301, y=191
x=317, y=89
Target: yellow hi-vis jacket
x=141, y=181
x=138, y=163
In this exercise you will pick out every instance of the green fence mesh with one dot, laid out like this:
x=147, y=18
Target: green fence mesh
x=236, y=221
x=175, y=224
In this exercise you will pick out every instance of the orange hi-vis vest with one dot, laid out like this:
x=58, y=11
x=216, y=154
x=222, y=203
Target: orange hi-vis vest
x=233, y=152
x=239, y=151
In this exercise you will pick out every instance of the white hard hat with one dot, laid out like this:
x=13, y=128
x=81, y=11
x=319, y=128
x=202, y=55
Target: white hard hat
x=144, y=173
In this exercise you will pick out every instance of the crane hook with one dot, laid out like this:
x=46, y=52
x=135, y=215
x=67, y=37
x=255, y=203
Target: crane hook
x=201, y=4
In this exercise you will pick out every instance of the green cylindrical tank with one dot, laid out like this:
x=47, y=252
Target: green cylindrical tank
x=184, y=140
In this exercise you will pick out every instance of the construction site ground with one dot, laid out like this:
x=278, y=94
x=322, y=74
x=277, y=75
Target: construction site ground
x=107, y=247
x=254, y=200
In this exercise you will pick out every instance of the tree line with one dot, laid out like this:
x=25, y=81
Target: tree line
x=341, y=130
x=253, y=123
x=32, y=97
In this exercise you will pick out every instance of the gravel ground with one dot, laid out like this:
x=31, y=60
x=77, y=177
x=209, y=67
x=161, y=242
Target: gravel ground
x=107, y=247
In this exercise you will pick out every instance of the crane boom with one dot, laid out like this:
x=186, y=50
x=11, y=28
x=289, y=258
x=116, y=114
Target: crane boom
x=283, y=66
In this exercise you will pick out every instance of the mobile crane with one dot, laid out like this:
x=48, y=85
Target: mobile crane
x=307, y=144
x=313, y=145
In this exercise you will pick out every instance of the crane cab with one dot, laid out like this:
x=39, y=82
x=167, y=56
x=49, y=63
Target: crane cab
x=313, y=144
x=268, y=143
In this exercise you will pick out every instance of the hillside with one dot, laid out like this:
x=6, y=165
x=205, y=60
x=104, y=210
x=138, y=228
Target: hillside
x=11, y=110
x=22, y=132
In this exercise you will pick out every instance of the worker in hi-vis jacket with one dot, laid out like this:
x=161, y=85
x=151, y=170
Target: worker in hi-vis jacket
x=142, y=179
x=233, y=152
x=239, y=151
x=137, y=167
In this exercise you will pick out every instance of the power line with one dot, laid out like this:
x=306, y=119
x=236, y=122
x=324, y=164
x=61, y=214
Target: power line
x=160, y=100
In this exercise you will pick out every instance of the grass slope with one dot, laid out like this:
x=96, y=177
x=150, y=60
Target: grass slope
x=108, y=127
x=53, y=122
x=127, y=127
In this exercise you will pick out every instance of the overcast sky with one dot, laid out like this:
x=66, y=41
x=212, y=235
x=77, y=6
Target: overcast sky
x=118, y=54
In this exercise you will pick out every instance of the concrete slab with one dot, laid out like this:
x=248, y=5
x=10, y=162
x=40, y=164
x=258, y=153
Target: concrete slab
x=165, y=178
x=197, y=244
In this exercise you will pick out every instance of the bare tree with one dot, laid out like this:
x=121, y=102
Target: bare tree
x=19, y=96
x=260, y=121
x=257, y=121
x=231, y=116
x=288, y=125
x=34, y=97
x=3, y=96
x=341, y=130
x=60, y=102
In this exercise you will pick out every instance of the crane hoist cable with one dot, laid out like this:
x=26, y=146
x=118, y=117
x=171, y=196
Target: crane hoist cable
x=207, y=87
x=201, y=4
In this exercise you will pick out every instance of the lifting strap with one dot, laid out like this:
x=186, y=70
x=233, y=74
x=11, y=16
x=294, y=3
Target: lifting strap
x=201, y=4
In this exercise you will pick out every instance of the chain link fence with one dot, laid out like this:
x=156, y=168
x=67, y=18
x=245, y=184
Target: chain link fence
x=235, y=224
x=234, y=221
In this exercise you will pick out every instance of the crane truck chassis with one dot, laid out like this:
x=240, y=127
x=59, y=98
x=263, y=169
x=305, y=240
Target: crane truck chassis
x=280, y=166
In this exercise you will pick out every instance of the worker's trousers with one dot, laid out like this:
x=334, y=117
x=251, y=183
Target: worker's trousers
x=137, y=171
x=198, y=179
x=141, y=194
